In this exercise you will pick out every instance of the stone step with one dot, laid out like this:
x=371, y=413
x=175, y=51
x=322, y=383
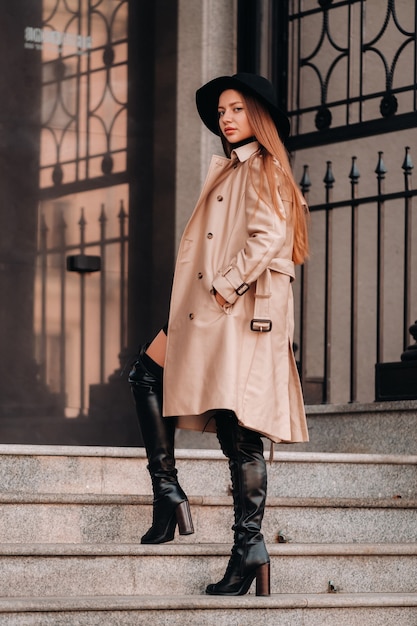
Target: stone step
x=92, y=518
x=82, y=470
x=310, y=609
x=37, y=570
x=371, y=428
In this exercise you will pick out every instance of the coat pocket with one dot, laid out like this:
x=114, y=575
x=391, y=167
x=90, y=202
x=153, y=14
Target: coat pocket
x=226, y=309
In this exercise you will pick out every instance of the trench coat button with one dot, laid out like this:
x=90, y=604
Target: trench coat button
x=200, y=275
x=209, y=235
x=191, y=316
x=220, y=198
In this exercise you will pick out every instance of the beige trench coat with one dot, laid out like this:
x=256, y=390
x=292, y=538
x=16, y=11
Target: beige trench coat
x=214, y=360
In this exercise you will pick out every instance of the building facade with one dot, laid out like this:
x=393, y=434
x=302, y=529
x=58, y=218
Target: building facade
x=102, y=159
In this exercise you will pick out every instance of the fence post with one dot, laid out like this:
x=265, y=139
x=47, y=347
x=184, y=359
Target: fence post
x=407, y=166
x=328, y=181
x=354, y=180
x=305, y=185
x=380, y=171
x=103, y=247
x=63, y=282
x=44, y=273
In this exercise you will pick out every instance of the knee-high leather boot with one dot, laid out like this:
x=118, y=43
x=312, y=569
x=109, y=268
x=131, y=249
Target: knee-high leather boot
x=170, y=504
x=249, y=558
x=226, y=441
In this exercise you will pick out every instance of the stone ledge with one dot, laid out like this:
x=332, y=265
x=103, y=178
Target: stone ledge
x=146, y=500
x=250, y=601
x=204, y=549
x=356, y=407
x=205, y=454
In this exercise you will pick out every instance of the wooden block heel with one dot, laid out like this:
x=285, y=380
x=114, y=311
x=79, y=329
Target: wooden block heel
x=263, y=580
x=184, y=520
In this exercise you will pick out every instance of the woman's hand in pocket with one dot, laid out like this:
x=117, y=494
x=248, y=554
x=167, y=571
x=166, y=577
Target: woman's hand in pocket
x=220, y=300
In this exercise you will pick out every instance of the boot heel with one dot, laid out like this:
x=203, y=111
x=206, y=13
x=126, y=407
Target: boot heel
x=263, y=580
x=184, y=520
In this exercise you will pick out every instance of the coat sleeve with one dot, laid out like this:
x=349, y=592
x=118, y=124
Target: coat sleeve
x=266, y=234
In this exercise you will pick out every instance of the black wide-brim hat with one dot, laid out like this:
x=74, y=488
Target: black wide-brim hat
x=207, y=99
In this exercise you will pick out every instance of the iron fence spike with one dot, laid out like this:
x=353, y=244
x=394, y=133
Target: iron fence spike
x=329, y=179
x=407, y=165
x=305, y=182
x=354, y=174
x=380, y=169
x=122, y=213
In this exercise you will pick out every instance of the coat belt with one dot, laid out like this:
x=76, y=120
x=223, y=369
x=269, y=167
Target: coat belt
x=261, y=321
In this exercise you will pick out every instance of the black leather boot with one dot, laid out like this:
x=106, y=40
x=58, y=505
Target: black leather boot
x=226, y=441
x=249, y=559
x=170, y=504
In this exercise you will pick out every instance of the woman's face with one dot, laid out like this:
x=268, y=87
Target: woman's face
x=233, y=120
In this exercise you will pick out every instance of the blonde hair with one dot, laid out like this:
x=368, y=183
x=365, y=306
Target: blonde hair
x=274, y=150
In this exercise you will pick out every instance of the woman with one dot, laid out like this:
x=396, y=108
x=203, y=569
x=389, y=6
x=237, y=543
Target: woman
x=226, y=354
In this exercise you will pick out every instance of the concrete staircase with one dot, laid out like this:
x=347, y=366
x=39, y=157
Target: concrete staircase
x=341, y=529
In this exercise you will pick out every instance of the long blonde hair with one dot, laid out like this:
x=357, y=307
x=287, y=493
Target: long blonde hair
x=274, y=150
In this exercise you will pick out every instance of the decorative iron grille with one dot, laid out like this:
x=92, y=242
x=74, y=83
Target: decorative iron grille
x=353, y=69
x=84, y=94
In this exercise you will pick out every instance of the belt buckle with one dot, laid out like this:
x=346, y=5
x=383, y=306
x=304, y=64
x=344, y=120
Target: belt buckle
x=261, y=325
x=242, y=289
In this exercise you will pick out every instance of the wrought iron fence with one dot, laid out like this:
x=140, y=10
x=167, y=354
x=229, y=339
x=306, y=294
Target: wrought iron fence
x=81, y=319
x=94, y=306
x=319, y=388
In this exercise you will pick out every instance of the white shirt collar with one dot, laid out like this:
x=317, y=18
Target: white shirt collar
x=244, y=152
